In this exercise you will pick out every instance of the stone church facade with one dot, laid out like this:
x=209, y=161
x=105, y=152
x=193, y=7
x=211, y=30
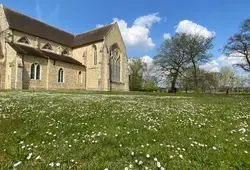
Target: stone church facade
x=35, y=55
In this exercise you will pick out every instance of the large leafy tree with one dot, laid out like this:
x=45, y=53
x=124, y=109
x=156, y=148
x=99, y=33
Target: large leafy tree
x=208, y=81
x=184, y=50
x=136, y=69
x=197, y=47
x=239, y=45
x=172, y=57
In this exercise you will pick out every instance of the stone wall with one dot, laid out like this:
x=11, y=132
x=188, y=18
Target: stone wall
x=2, y=62
x=117, y=86
x=3, y=27
x=114, y=37
x=49, y=74
x=3, y=22
x=2, y=75
x=10, y=70
x=85, y=55
x=34, y=84
x=71, y=76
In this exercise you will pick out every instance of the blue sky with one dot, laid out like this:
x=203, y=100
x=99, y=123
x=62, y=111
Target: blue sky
x=144, y=22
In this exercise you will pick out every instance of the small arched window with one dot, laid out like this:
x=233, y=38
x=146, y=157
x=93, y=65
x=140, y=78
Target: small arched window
x=79, y=77
x=23, y=40
x=35, y=73
x=65, y=52
x=95, y=54
x=47, y=47
x=60, y=75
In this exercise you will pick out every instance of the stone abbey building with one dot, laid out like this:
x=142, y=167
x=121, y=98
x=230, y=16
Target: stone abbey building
x=35, y=55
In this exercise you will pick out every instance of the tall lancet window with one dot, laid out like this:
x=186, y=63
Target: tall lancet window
x=95, y=54
x=115, y=60
x=60, y=76
x=35, y=71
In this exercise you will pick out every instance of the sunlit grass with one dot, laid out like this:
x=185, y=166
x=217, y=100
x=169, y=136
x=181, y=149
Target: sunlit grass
x=90, y=130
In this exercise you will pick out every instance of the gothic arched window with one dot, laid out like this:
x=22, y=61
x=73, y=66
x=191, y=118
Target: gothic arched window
x=60, y=75
x=115, y=64
x=23, y=40
x=95, y=54
x=35, y=71
x=65, y=52
x=47, y=47
x=79, y=77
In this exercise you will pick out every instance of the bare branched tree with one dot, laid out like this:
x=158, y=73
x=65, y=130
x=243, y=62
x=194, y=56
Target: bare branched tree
x=239, y=45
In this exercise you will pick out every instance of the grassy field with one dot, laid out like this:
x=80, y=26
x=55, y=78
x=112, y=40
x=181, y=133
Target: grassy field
x=116, y=131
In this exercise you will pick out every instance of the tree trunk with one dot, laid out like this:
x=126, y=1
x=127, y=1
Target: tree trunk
x=195, y=78
x=174, y=82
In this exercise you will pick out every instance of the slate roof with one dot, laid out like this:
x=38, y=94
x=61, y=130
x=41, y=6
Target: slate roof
x=92, y=36
x=23, y=49
x=63, y=58
x=37, y=28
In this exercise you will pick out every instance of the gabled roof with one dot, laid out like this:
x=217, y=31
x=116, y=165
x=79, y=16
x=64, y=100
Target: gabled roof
x=23, y=49
x=26, y=24
x=92, y=36
x=34, y=27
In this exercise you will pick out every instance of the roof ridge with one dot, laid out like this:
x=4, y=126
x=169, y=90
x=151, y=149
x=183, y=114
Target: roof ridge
x=19, y=13
x=113, y=25
x=41, y=29
x=95, y=29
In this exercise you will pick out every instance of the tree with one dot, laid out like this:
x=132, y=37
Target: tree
x=208, y=81
x=136, y=69
x=150, y=77
x=172, y=58
x=227, y=78
x=186, y=80
x=196, y=50
x=239, y=45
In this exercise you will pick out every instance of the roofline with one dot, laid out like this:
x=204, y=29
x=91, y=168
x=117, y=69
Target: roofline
x=79, y=46
x=110, y=29
x=71, y=36
x=120, y=35
x=52, y=25
x=95, y=29
x=14, y=29
x=37, y=20
x=44, y=54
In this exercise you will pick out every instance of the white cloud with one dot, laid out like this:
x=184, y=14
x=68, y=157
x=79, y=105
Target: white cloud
x=189, y=27
x=166, y=36
x=99, y=25
x=222, y=61
x=212, y=66
x=228, y=61
x=148, y=60
x=137, y=36
x=147, y=20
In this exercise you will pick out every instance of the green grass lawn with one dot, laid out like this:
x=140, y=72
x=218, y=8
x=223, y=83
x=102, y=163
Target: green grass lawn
x=90, y=130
